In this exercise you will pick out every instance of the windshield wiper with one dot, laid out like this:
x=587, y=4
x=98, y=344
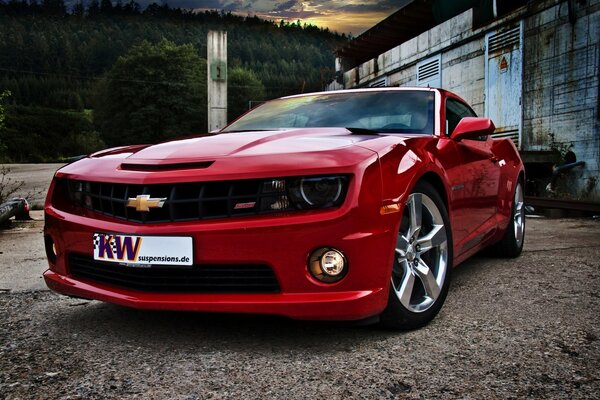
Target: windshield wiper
x=362, y=131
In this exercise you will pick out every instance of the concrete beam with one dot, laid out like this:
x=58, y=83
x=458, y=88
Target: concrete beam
x=216, y=61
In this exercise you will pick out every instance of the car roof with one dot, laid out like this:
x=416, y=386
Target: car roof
x=443, y=92
x=362, y=90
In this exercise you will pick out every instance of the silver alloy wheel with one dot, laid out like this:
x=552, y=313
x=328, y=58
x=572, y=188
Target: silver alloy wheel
x=421, y=254
x=519, y=215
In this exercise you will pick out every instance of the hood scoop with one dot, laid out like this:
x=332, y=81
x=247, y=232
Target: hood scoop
x=362, y=131
x=165, y=167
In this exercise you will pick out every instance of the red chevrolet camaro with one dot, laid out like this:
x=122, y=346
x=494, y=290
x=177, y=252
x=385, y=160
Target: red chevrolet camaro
x=348, y=205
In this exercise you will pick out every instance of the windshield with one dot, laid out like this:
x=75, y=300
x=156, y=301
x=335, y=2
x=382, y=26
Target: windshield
x=406, y=111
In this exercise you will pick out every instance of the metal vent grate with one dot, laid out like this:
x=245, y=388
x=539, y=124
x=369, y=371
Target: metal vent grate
x=501, y=40
x=429, y=72
x=379, y=83
x=512, y=135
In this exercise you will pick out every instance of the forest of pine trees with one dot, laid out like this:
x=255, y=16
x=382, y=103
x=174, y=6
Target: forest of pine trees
x=52, y=60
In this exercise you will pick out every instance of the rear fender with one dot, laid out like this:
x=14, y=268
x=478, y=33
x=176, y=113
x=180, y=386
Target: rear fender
x=509, y=161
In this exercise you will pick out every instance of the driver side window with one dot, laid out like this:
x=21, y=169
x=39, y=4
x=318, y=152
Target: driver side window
x=455, y=111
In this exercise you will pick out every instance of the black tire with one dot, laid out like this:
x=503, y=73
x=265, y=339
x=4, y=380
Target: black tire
x=511, y=244
x=417, y=308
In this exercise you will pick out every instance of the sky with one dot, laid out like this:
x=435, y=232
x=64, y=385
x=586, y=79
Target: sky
x=349, y=16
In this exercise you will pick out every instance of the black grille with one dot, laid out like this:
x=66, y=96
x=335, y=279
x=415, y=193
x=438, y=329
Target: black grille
x=183, y=201
x=171, y=279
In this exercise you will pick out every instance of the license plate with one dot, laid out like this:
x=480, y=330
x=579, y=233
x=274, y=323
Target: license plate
x=143, y=250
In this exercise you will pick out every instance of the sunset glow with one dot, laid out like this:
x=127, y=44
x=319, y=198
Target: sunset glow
x=349, y=17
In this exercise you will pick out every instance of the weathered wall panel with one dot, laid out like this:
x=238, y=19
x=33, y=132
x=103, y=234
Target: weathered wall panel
x=463, y=72
x=561, y=90
x=560, y=77
x=504, y=81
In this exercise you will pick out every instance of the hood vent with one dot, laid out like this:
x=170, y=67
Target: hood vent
x=166, y=167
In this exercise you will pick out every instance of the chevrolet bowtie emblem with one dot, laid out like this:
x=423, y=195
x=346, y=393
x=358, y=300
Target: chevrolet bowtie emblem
x=143, y=202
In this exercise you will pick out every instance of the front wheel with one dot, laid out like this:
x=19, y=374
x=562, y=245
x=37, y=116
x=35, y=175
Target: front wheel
x=422, y=263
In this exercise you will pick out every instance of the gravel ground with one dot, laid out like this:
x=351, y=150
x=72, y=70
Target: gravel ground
x=35, y=178
x=22, y=255
x=522, y=328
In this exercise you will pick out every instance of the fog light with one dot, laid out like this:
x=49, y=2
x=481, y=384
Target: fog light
x=332, y=263
x=328, y=265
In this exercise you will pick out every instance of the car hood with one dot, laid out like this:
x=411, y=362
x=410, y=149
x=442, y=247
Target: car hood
x=236, y=155
x=252, y=143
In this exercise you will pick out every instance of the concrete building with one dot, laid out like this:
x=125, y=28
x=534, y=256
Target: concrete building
x=532, y=66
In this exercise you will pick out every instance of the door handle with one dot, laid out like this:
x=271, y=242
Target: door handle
x=494, y=159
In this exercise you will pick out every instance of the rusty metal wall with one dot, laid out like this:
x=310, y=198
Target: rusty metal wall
x=504, y=80
x=561, y=90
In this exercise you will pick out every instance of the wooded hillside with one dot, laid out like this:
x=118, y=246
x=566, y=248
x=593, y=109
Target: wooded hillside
x=53, y=61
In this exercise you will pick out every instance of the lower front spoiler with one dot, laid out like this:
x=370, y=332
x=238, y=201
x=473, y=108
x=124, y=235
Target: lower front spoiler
x=334, y=306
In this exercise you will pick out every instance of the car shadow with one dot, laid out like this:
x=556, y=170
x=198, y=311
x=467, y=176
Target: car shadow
x=109, y=323
x=476, y=265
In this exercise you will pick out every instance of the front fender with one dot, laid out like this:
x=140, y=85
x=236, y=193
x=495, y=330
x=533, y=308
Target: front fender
x=404, y=164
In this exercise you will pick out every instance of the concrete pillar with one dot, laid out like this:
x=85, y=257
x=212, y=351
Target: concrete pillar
x=216, y=61
x=339, y=72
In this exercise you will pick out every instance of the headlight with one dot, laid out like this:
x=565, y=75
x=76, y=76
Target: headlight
x=318, y=191
x=304, y=193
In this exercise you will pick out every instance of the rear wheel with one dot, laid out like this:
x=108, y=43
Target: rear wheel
x=511, y=244
x=422, y=263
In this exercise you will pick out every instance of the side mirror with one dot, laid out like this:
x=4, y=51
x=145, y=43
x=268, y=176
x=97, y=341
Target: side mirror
x=471, y=127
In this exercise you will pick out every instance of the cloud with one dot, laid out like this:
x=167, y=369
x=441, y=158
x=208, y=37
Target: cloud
x=349, y=16
x=294, y=14
x=189, y=4
x=374, y=6
x=234, y=6
x=277, y=5
x=287, y=5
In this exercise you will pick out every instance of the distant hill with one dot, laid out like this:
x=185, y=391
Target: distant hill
x=53, y=59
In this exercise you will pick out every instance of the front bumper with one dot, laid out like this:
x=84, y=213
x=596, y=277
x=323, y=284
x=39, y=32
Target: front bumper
x=352, y=305
x=283, y=242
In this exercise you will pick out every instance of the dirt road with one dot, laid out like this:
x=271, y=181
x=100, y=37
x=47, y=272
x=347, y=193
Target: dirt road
x=35, y=178
x=522, y=328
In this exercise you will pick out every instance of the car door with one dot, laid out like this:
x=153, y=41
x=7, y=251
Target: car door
x=474, y=182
